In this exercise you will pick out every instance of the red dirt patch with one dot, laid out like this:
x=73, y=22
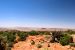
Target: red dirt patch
x=25, y=45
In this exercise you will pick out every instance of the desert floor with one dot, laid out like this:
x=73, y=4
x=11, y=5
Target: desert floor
x=26, y=45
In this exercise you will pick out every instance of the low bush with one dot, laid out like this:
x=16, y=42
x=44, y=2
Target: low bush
x=33, y=33
x=6, y=39
x=65, y=40
x=72, y=44
x=70, y=32
x=10, y=44
x=44, y=33
x=41, y=32
x=11, y=37
x=2, y=43
x=22, y=35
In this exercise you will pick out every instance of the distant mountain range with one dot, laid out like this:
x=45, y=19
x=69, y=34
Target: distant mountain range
x=35, y=29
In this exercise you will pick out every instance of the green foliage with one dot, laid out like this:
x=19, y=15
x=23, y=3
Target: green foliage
x=44, y=33
x=10, y=44
x=70, y=32
x=11, y=37
x=33, y=33
x=72, y=44
x=8, y=36
x=65, y=40
x=2, y=43
x=4, y=33
x=7, y=39
x=22, y=35
x=41, y=33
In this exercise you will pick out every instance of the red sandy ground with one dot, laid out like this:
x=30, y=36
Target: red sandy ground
x=25, y=45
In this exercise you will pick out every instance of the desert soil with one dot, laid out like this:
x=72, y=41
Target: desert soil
x=26, y=45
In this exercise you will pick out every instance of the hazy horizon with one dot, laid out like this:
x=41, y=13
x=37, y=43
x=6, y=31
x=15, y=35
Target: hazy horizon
x=37, y=13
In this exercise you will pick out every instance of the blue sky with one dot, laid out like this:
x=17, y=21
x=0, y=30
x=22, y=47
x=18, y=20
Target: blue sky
x=37, y=13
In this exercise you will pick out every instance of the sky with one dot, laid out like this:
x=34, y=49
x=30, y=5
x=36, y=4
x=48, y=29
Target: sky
x=37, y=13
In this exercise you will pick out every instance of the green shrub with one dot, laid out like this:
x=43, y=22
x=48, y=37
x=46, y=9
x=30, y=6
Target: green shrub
x=41, y=33
x=6, y=39
x=2, y=43
x=72, y=44
x=70, y=32
x=1, y=32
x=22, y=35
x=44, y=33
x=8, y=36
x=33, y=33
x=11, y=37
x=65, y=40
x=10, y=44
x=5, y=33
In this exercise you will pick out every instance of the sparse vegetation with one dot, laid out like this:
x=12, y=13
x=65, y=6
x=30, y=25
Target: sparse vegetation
x=65, y=40
x=7, y=38
x=22, y=36
x=44, y=33
x=70, y=32
x=56, y=36
x=72, y=44
x=33, y=33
